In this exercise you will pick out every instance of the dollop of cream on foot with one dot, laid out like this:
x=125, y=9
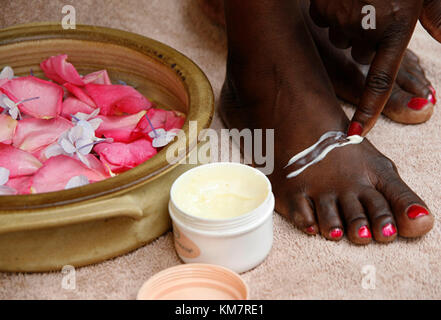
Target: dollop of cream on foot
x=220, y=192
x=317, y=152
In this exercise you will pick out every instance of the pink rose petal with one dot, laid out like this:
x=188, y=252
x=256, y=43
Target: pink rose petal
x=98, y=77
x=34, y=134
x=57, y=171
x=160, y=118
x=117, y=99
x=120, y=128
x=58, y=69
x=3, y=82
x=18, y=162
x=72, y=106
x=80, y=94
x=120, y=157
x=50, y=96
x=7, y=128
x=21, y=184
x=97, y=165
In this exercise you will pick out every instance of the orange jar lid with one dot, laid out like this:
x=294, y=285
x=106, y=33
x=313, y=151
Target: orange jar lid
x=194, y=281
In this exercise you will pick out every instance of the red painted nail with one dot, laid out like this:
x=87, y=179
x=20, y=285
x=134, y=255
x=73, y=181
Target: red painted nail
x=432, y=96
x=417, y=103
x=311, y=229
x=336, y=233
x=389, y=230
x=364, y=232
x=355, y=128
x=416, y=211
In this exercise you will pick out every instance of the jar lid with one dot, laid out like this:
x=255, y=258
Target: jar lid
x=194, y=281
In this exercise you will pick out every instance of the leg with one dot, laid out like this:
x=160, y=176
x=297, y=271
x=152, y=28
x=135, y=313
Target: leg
x=275, y=79
x=413, y=98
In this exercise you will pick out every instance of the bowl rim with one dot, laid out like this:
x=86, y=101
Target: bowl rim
x=200, y=109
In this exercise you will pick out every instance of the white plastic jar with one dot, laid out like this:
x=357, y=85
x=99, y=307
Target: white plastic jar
x=222, y=214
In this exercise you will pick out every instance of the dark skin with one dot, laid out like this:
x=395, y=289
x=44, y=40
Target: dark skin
x=355, y=188
x=383, y=47
x=348, y=77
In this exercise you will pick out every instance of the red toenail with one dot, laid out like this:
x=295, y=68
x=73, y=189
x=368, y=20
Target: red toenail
x=389, y=230
x=416, y=211
x=336, y=233
x=310, y=229
x=364, y=232
x=417, y=103
x=355, y=129
x=432, y=96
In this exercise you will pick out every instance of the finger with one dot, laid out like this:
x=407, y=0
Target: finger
x=430, y=18
x=380, y=80
x=316, y=15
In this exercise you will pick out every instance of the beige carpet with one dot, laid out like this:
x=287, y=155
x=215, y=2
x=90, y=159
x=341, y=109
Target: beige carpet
x=299, y=267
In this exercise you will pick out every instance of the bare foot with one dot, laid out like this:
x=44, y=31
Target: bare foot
x=275, y=79
x=413, y=97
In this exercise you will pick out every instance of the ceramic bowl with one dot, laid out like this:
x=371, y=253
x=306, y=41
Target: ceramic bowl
x=47, y=231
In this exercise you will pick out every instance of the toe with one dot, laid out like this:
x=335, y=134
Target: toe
x=380, y=216
x=404, y=107
x=414, y=81
x=357, y=224
x=302, y=214
x=412, y=216
x=330, y=224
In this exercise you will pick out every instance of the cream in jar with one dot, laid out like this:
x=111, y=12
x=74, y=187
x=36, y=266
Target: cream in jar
x=222, y=214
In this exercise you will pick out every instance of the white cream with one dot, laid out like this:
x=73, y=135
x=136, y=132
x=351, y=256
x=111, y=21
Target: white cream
x=222, y=214
x=220, y=192
x=336, y=135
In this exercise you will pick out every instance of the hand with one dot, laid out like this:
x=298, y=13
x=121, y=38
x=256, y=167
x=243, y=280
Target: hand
x=382, y=47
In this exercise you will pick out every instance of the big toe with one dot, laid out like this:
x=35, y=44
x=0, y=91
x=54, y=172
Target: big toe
x=413, y=98
x=412, y=215
x=405, y=107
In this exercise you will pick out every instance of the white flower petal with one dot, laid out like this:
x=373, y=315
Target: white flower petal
x=14, y=112
x=95, y=123
x=9, y=103
x=94, y=113
x=77, y=181
x=83, y=159
x=88, y=131
x=7, y=73
x=4, y=176
x=53, y=150
x=7, y=191
x=159, y=142
x=67, y=146
x=81, y=116
x=152, y=134
x=84, y=146
x=75, y=133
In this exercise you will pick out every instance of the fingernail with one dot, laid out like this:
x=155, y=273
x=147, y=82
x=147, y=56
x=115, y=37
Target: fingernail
x=336, y=233
x=417, y=103
x=389, y=230
x=364, y=232
x=432, y=96
x=310, y=229
x=355, y=129
x=416, y=211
